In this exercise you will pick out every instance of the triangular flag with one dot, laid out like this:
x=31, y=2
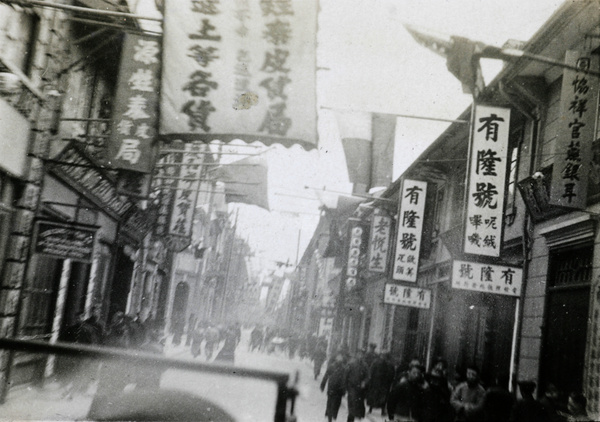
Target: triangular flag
x=462, y=56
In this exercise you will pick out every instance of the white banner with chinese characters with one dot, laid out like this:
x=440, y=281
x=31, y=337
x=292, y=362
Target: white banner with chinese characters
x=410, y=230
x=415, y=297
x=497, y=279
x=379, y=241
x=487, y=180
x=576, y=125
x=240, y=69
x=134, y=119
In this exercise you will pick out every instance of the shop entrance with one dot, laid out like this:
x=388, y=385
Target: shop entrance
x=565, y=326
x=121, y=284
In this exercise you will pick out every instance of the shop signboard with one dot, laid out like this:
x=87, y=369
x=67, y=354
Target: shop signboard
x=576, y=131
x=411, y=296
x=486, y=278
x=65, y=240
x=487, y=180
x=74, y=167
x=185, y=195
x=410, y=230
x=379, y=242
x=132, y=143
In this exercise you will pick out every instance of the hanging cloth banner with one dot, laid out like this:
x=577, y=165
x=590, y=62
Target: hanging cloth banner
x=487, y=179
x=132, y=140
x=240, y=70
x=573, y=148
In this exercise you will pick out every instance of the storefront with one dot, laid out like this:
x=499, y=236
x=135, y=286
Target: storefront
x=77, y=260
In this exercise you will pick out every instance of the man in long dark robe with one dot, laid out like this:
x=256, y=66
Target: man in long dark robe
x=356, y=381
x=380, y=381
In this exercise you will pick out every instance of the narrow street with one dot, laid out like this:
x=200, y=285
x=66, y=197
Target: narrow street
x=248, y=400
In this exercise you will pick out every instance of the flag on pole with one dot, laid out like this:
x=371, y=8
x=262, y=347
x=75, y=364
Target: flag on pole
x=246, y=181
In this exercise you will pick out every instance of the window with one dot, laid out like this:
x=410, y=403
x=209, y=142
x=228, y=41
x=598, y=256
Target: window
x=516, y=142
x=19, y=30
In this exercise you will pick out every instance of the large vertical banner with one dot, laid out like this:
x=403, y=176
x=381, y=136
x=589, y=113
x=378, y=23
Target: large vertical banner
x=134, y=120
x=573, y=148
x=487, y=181
x=379, y=241
x=410, y=230
x=240, y=69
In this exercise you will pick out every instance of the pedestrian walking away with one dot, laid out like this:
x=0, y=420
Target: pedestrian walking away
x=335, y=380
x=381, y=376
x=357, y=376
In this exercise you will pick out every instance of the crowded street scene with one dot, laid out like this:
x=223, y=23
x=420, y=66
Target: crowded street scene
x=300, y=210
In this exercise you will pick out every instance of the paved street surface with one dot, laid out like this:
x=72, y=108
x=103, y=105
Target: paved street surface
x=247, y=400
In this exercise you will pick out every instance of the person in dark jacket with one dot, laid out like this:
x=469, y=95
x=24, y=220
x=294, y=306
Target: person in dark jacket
x=380, y=381
x=527, y=408
x=437, y=406
x=552, y=404
x=497, y=401
x=406, y=399
x=335, y=379
x=357, y=376
x=371, y=355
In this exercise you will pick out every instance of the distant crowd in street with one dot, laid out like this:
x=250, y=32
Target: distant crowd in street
x=372, y=380
x=214, y=341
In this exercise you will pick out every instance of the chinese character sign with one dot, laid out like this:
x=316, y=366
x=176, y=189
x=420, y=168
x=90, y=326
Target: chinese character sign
x=414, y=297
x=487, y=179
x=134, y=119
x=186, y=193
x=573, y=146
x=379, y=242
x=497, y=279
x=240, y=69
x=356, y=245
x=410, y=228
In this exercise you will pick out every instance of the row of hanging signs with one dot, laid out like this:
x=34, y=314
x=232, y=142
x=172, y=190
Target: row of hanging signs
x=488, y=164
x=483, y=225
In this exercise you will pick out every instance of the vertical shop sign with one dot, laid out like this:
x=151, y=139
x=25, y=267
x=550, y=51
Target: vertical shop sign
x=185, y=195
x=379, y=242
x=487, y=180
x=573, y=149
x=356, y=240
x=134, y=119
x=410, y=229
x=496, y=279
x=240, y=69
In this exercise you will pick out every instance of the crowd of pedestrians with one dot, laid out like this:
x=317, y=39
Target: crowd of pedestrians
x=372, y=381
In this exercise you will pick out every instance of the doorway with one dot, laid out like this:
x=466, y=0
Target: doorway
x=566, y=319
